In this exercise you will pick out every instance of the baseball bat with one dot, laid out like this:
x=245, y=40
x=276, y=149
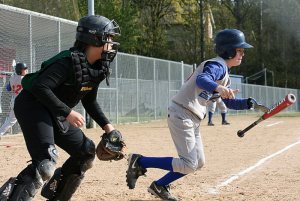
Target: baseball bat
x=281, y=105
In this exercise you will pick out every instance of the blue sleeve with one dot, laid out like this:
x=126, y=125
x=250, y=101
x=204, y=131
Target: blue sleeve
x=237, y=104
x=8, y=87
x=212, y=72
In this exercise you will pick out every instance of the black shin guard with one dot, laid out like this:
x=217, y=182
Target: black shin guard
x=67, y=179
x=49, y=188
x=7, y=189
x=27, y=184
x=61, y=188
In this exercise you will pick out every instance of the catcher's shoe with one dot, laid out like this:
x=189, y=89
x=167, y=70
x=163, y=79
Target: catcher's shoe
x=134, y=170
x=225, y=123
x=162, y=192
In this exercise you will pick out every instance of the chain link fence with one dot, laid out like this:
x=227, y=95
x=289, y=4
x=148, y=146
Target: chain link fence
x=140, y=87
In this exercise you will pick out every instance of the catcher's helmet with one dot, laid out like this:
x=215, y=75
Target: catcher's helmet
x=95, y=30
x=226, y=42
x=19, y=67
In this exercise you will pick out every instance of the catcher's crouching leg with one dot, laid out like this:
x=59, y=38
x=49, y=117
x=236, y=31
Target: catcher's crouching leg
x=26, y=184
x=67, y=179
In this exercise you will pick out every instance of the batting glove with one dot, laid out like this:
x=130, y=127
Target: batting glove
x=252, y=104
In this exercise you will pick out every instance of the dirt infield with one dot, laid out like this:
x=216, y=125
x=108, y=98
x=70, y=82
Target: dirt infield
x=264, y=165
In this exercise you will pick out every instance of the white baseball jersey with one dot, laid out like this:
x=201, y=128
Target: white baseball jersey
x=15, y=84
x=193, y=98
x=16, y=88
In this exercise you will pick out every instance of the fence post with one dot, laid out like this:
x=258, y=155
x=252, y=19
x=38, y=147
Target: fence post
x=169, y=81
x=117, y=91
x=30, y=42
x=137, y=89
x=59, y=38
x=182, y=73
x=154, y=86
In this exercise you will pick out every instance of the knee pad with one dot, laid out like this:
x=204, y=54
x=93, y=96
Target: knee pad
x=88, y=147
x=46, y=167
x=88, y=154
x=82, y=161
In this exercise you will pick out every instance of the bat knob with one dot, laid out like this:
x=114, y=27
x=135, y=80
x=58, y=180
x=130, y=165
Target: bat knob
x=241, y=133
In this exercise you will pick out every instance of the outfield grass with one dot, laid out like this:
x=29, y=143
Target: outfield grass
x=288, y=114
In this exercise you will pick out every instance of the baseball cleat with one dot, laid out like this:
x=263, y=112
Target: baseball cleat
x=134, y=170
x=225, y=123
x=162, y=192
x=210, y=124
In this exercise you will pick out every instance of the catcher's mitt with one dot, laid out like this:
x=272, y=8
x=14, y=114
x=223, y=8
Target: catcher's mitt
x=111, y=146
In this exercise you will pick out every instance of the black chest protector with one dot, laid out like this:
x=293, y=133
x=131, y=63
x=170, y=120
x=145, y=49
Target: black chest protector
x=82, y=79
x=86, y=74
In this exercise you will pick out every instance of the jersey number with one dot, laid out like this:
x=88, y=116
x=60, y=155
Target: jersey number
x=17, y=88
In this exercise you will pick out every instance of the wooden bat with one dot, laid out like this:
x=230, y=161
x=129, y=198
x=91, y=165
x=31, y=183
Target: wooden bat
x=278, y=107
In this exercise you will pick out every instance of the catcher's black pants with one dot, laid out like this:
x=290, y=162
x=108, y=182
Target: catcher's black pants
x=40, y=130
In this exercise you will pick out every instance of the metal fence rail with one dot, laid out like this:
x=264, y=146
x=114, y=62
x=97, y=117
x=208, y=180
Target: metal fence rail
x=140, y=87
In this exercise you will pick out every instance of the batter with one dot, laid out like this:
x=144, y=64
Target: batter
x=188, y=109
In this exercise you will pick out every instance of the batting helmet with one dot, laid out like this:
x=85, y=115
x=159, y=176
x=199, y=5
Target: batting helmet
x=95, y=30
x=226, y=42
x=19, y=67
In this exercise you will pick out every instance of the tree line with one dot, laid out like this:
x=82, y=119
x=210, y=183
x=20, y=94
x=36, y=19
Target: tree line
x=183, y=30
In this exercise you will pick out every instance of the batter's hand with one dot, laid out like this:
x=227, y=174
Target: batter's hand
x=76, y=119
x=227, y=93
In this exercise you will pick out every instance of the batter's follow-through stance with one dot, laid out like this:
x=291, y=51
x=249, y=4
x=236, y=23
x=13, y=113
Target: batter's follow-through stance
x=49, y=96
x=187, y=110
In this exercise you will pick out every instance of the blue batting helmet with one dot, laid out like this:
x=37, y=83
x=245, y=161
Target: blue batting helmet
x=226, y=42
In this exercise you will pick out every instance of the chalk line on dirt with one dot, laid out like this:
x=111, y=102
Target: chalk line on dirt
x=273, y=124
x=215, y=189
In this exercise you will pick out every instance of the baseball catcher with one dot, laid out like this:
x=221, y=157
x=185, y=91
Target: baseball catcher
x=50, y=96
x=111, y=146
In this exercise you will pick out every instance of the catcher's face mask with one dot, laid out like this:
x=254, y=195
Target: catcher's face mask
x=110, y=48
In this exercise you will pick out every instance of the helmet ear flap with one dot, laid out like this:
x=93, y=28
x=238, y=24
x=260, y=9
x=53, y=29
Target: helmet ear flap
x=220, y=50
x=231, y=53
x=225, y=52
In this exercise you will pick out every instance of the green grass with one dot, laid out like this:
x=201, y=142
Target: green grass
x=288, y=114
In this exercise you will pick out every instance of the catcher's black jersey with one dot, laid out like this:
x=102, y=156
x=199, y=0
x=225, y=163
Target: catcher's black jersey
x=55, y=90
